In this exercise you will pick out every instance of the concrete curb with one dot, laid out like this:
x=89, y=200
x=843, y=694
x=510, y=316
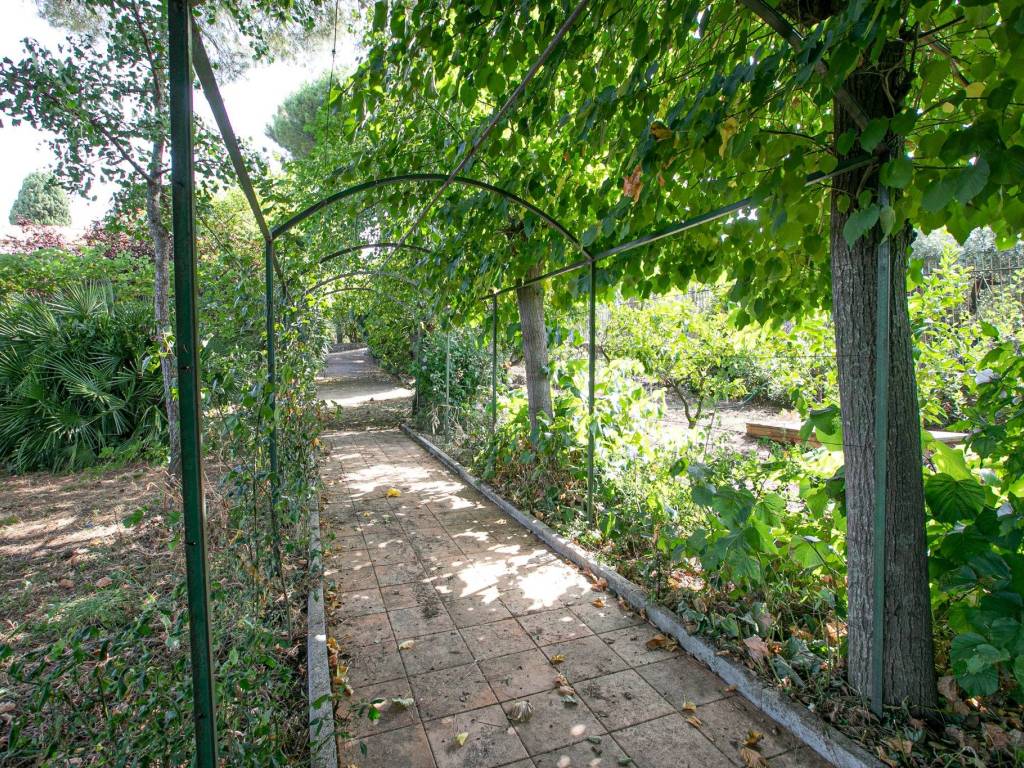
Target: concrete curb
x=838, y=749
x=323, y=748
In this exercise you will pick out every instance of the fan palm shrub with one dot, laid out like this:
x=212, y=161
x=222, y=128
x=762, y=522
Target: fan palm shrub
x=78, y=379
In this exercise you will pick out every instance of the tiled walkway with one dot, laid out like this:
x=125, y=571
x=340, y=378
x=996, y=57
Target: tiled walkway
x=449, y=616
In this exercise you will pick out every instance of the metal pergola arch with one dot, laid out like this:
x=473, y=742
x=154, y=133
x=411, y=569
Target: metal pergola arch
x=186, y=53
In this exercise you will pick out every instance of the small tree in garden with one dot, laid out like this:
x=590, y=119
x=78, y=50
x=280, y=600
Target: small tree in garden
x=41, y=201
x=688, y=351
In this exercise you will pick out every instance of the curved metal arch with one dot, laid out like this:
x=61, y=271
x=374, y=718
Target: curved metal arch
x=368, y=246
x=380, y=294
x=364, y=273
x=413, y=178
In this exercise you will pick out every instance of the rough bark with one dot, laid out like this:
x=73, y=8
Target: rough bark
x=161, y=297
x=535, y=346
x=908, y=655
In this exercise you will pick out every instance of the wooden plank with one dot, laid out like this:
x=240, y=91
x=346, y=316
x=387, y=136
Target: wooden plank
x=789, y=432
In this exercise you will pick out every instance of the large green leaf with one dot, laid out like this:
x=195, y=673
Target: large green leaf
x=952, y=500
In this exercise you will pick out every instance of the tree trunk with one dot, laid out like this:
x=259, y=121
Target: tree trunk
x=909, y=670
x=535, y=346
x=161, y=304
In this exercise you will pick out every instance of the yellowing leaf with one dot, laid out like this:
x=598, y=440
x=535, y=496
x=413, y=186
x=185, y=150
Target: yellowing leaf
x=753, y=739
x=689, y=706
x=460, y=738
x=332, y=644
x=975, y=90
x=729, y=128
x=660, y=131
x=393, y=493
x=558, y=658
x=631, y=185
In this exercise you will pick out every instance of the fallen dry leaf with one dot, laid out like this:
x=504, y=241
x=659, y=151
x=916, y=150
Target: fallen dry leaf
x=752, y=758
x=729, y=689
x=103, y=583
x=600, y=584
x=903, y=746
x=689, y=706
x=757, y=648
x=407, y=645
x=393, y=493
x=566, y=690
x=695, y=721
x=753, y=739
x=558, y=658
x=597, y=602
x=520, y=712
x=460, y=738
x=660, y=641
x=403, y=703
x=332, y=644
x=951, y=693
x=66, y=583
x=997, y=738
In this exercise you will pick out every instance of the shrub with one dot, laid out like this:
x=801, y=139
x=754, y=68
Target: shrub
x=450, y=370
x=78, y=378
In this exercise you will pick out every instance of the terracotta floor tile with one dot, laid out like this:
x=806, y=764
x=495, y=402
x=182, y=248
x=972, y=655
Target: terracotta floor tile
x=598, y=752
x=631, y=644
x=669, y=742
x=684, y=679
x=730, y=720
x=357, y=603
x=490, y=739
x=482, y=608
x=496, y=639
x=353, y=711
x=555, y=626
x=622, y=699
x=408, y=595
x=438, y=651
x=406, y=747
x=419, y=620
x=372, y=663
x=372, y=629
x=519, y=674
x=585, y=658
x=607, y=617
x=554, y=723
x=448, y=691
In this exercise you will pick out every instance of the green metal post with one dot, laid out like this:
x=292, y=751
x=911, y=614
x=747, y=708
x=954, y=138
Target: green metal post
x=187, y=350
x=494, y=363
x=275, y=475
x=881, y=466
x=591, y=425
x=447, y=379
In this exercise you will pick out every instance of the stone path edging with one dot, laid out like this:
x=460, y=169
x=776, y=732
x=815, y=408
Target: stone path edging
x=323, y=747
x=828, y=742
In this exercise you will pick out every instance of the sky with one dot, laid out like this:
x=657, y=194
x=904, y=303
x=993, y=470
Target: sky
x=250, y=102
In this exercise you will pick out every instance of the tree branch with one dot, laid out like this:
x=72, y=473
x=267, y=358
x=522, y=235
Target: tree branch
x=774, y=19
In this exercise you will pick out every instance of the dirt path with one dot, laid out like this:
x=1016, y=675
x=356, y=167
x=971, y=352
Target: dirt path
x=460, y=623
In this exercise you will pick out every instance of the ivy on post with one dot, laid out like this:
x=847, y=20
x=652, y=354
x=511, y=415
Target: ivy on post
x=187, y=350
